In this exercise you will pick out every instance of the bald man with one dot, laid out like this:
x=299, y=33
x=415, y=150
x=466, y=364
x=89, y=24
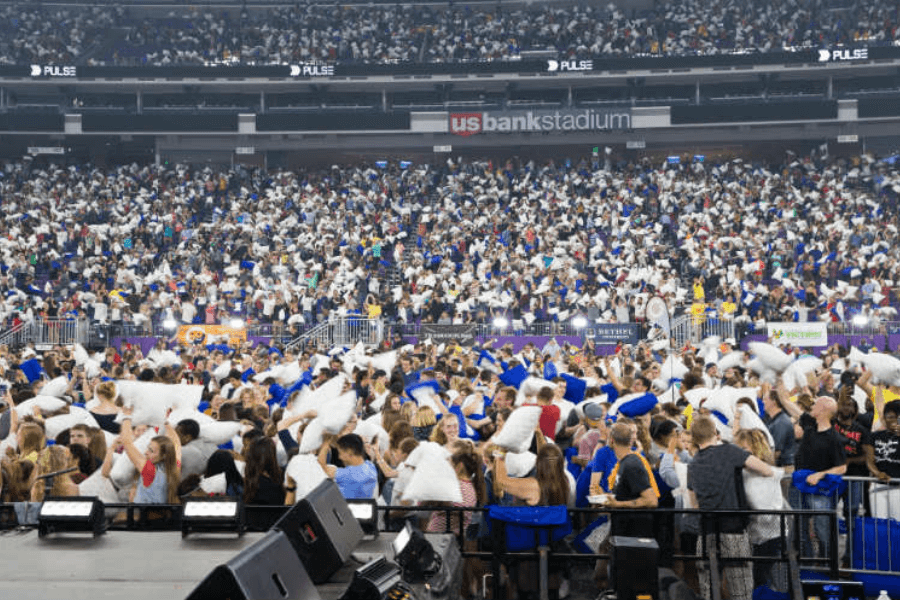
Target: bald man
x=821, y=451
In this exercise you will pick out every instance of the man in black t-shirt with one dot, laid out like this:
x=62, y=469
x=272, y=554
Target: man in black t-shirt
x=632, y=486
x=882, y=450
x=821, y=451
x=713, y=482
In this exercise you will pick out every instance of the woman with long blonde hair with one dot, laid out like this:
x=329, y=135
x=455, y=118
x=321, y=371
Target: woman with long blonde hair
x=51, y=460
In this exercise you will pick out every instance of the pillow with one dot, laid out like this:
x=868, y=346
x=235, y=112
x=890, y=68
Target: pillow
x=434, y=480
x=123, y=472
x=306, y=472
x=885, y=368
x=520, y=464
x=180, y=414
x=56, y=387
x=47, y=404
x=56, y=425
x=383, y=362
x=696, y=395
x=476, y=400
x=795, y=375
x=519, y=428
x=164, y=358
x=217, y=484
x=771, y=357
x=751, y=420
x=371, y=429
x=514, y=376
x=673, y=368
x=222, y=371
x=147, y=412
x=565, y=409
x=425, y=394
x=101, y=487
x=316, y=399
x=179, y=395
x=312, y=437
x=670, y=396
x=732, y=359
x=424, y=448
x=335, y=414
x=219, y=432
x=634, y=405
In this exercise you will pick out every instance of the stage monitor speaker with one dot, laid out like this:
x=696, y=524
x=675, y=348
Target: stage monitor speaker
x=267, y=570
x=634, y=567
x=322, y=530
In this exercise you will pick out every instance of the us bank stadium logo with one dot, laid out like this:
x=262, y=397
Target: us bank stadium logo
x=53, y=71
x=466, y=124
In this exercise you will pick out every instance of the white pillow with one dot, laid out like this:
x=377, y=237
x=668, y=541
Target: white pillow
x=222, y=371
x=695, y=396
x=146, y=412
x=751, y=420
x=369, y=429
x=732, y=359
x=306, y=472
x=77, y=416
x=565, y=408
x=673, y=368
x=425, y=448
x=99, y=486
x=317, y=398
x=519, y=464
x=179, y=414
x=56, y=387
x=47, y=404
x=770, y=356
x=123, y=471
x=384, y=361
x=312, y=437
x=337, y=412
x=217, y=484
x=177, y=395
x=219, y=432
x=426, y=396
x=434, y=480
x=519, y=428
x=885, y=368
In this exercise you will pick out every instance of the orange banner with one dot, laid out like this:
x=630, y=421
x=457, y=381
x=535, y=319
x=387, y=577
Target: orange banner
x=206, y=334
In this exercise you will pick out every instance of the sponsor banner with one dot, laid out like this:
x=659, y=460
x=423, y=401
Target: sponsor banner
x=312, y=70
x=798, y=334
x=53, y=71
x=526, y=121
x=610, y=334
x=205, y=334
x=843, y=54
x=440, y=334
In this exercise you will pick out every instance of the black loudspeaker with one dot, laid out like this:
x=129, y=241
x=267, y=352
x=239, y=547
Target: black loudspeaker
x=634, y=567
x=267, y=570
x=322, y=530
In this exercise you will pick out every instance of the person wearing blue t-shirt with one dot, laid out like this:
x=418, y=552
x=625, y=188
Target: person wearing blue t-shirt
x=358, y=478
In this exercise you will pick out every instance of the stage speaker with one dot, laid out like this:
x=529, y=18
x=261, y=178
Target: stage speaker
x=267, y=570
x=634, y=568
x=322, y=530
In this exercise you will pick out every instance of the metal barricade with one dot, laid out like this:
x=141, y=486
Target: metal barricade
x=871, y=512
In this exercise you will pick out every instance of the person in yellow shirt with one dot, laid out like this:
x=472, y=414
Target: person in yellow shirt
x=888, y=394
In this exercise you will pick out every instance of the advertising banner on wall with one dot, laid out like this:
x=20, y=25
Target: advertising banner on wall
x=537, y=121
x=205, y=334
x=798, y=334
x=608, y=334
x=439, y=334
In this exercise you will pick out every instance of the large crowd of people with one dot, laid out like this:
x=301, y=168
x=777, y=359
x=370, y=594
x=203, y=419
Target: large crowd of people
x=422, y=425
x=456, y=242
x=379, y=33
